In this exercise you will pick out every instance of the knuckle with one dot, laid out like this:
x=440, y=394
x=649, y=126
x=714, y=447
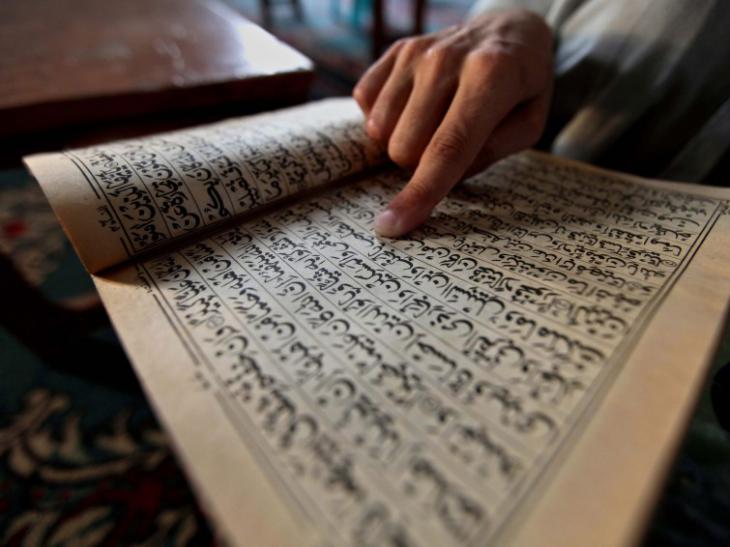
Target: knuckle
x=439, y=54
x=498, y=62
x=375, y=124
x=360, y=94
x=401, y=153
x=416, y=195
x=431, y=70
x=397, y=45
x=439, y=62
x=375, y=132
x=493, y=57
x=413, y=48
x=448, y=145
x=409, y=49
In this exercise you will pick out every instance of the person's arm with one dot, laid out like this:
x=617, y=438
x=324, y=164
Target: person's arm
x=455, y=101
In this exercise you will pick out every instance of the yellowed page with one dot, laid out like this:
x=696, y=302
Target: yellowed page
x=518, y=371
x=124, y=198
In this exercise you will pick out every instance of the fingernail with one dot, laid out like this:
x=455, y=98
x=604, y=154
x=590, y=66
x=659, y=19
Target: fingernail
x=387, y=224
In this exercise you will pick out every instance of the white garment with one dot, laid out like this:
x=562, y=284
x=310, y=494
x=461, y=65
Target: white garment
x=641, y=85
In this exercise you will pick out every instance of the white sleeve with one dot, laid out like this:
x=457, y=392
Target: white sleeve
x=538, y=6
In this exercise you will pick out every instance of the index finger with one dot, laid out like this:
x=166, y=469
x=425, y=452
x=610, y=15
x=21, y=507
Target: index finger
x=487, y=93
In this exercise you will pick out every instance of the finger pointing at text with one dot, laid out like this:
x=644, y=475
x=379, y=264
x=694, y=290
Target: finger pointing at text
x=453, y=102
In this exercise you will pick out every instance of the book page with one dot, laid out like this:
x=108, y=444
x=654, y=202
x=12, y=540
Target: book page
x=124, y=198
x=517, y=371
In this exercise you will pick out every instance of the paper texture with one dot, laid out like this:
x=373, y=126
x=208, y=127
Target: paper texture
x=119, y=200
x=517, y=371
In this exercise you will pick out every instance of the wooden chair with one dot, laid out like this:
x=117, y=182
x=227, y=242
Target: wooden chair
x=266, y=5
x=379, y=36
x=378, y=32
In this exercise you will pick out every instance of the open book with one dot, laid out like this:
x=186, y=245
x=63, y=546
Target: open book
x=517, y=371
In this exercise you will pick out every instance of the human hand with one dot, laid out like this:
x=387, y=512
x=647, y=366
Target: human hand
x=453, y=102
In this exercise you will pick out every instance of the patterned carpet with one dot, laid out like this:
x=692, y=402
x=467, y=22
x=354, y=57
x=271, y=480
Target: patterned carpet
x=82, y=459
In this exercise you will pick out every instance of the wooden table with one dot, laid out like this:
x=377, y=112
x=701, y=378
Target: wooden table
x=80, y=72
x=71, y=62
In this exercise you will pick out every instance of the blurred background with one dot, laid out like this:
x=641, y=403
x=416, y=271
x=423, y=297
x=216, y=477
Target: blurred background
x=342, y=36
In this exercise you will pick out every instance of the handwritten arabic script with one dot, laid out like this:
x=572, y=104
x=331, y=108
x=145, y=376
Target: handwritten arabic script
x=411, y=391
x=162, y=187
